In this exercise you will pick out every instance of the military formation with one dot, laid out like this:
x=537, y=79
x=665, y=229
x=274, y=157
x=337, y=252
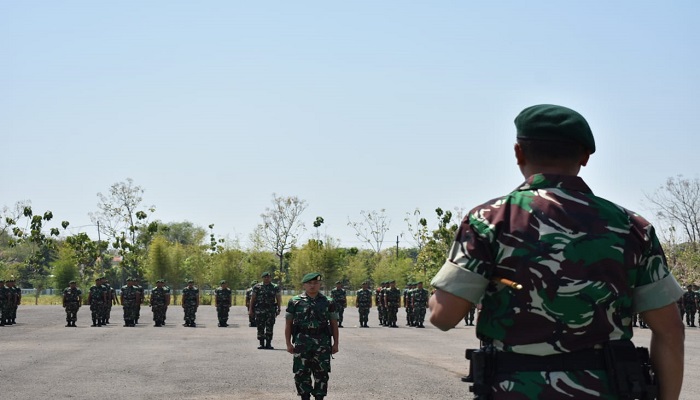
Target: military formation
x=388, y=299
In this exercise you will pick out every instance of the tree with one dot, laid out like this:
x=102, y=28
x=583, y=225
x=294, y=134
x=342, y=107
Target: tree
x=124, y=220
x=437, y=243
x=64, y=268
x=281, y=226
x=42, y=246
x=316, y=256
x=372, y=228
x=677, y=203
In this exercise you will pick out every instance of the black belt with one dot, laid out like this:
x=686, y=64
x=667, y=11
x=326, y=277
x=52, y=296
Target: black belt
x=577, y=361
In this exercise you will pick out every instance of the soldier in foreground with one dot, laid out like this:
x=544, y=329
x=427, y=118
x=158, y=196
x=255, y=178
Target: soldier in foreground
x=311, y=322
x=72, y=300
x=559, y=273
x=190, y=303
x=265, y=304
x=339, y=297
x=160, y=300
x=131, y=302
x=363, y=302
x=248, y=294
x=222, y=297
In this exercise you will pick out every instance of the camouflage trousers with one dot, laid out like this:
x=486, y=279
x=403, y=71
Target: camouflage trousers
x=222, y=313
x=410, y=316
x=364, y=314
x=190, y=312
x=419, y=315
x=690, y=315
x=159, y=312
x=130, y=311
x=579, y=385
x=96, y=309
x=312, y=357
x=381, y=313
x=265, y=321
x=340, y=311
x=72, y=311
x=391, y=312
x=107, y=311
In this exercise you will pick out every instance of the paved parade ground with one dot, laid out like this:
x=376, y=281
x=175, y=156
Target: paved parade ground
x=42, y=359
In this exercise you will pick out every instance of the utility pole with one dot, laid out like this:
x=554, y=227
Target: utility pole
x=397, y=247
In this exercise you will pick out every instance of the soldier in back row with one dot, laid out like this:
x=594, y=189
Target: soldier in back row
x=72, y=300
x=190, y=303
x=339, y=297
x=265, y=304
x=13, y=300
x=160, y=300
x=248, y=294
x=96, y=300
x=419, y=303
x=392, y=301
x=4, y=299
x=223, y=303
x=408, y=303
x=363, y=302
x=690, y=305
x=131, y=302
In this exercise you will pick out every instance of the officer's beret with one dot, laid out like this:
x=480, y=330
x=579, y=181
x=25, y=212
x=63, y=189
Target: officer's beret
x=190, y=281
x=160, y=281
x=418, y=283
x=253, y=283
x=555, y=123
x=264, y=274
x=71, y=282
x=312, y=276
x=392, y=281
x=338, y=282
x=221, y=282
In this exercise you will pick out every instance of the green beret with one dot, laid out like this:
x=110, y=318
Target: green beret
x=312, y=276
x=253, y=283
x=419, y=283
x=160, y=281
x=221, y=282
x=338, y=282
x=392, y=281
x=555, y=123
x=190, y=281
x=264, y=274
x=97, y=279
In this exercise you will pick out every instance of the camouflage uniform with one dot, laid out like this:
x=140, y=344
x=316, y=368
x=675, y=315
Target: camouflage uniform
x=190, y=303
x=392, y=301
x=111, y=300
x=223, y=304
x=363, y=302
x=14, y=300
x=585, y=265
x=96, y=300
x=131, y=301
x=690, y=306
x=312, y=342
x=420, y=303
x=339, y=297
x=266, y=310
x=160, y=300
x=248, y=295
x=137, y=309
x=3, y=302
x=71, y=302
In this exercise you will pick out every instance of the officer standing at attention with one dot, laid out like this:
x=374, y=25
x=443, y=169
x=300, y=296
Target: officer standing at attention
x=311, y=322
x=160, y=300
x=222, y=297
x=3, y=301
x=15, y=299
x=363, y=303
x=248, y=295
x=265, y=304
x=690, y=305
x=131, y=302
x=72, y=300
x=392, y=301
x=419, y=299
x=190, y=303
x=339, y=297
x=559, y=273
x=96, y=300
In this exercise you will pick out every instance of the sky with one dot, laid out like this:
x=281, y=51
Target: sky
x=213, y=106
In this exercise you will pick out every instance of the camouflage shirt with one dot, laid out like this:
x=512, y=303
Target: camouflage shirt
x=71, y=295
x=339, y=297
x=420, y=297
x=585, y=264
x=223, y=297
x=130, y=295
x=97, y=295
x=159, y=296
x=265, y=296
x=311, y=312
x=364, y=298
x=190, y=296
x=393, y=296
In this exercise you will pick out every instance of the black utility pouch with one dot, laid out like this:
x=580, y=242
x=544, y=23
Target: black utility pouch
x=629, y=370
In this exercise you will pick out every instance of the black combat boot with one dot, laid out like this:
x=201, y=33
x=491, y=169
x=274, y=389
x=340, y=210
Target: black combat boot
x=306, y=396
x=68, y=325
x=94, y=322
x=262, y=344
x=193, y=325
x=268, y=345
x=319, y=397
x=73, y=324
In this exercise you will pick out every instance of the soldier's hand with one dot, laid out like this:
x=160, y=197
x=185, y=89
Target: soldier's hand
x=334, y=349
x=290, y=348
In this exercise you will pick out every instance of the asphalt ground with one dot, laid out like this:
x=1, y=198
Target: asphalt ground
x=40, y=359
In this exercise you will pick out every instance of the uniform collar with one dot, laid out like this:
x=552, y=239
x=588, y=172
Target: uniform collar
x=549, y=181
